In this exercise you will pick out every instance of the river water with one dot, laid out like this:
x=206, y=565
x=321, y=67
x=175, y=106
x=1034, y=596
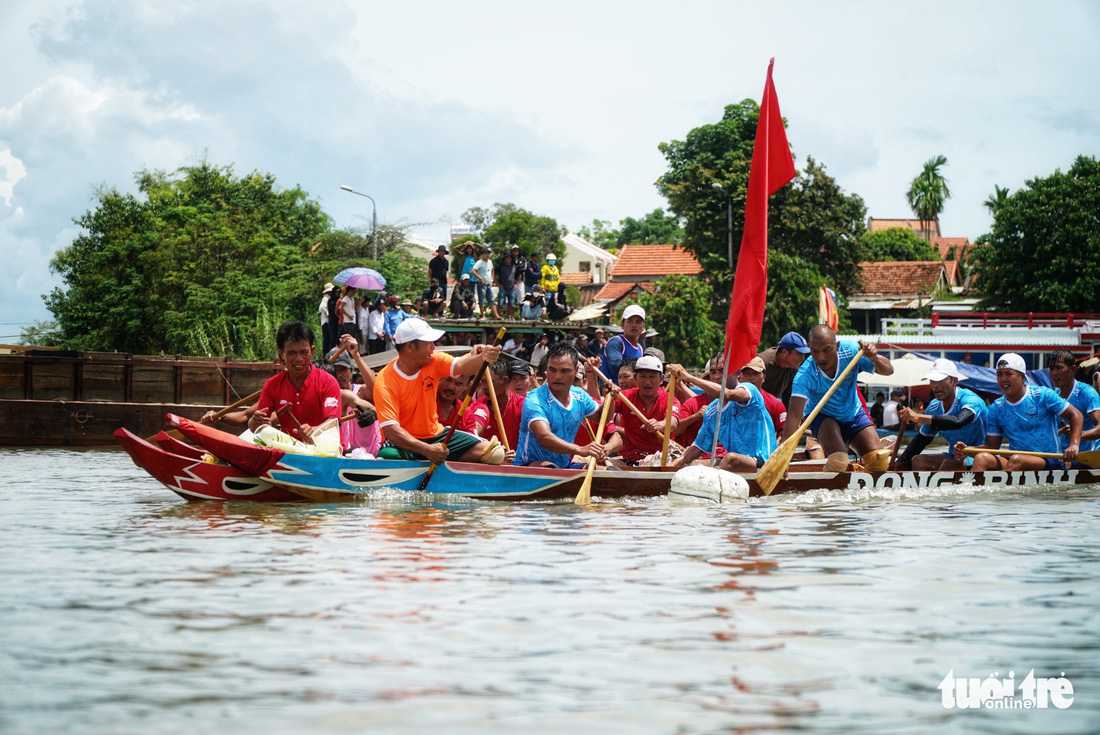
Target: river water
x=127, y=610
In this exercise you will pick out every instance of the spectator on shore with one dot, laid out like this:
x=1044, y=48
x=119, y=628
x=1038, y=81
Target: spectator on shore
x=534, y=304
x=328, y=338
x=438, y=267
x=462, y=299
x=434, y=300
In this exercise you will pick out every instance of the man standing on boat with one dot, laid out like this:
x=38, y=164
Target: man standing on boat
x=405, y=397
x=640, y=438
x=625, y=345
x=957, y=413
x=746, y=431
x=842, y=421
x=1028, y=417
x=1063, y=375
x=556, y=409
x=312, y=395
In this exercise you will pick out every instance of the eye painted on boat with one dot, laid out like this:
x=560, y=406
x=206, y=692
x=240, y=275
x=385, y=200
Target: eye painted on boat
x=353, y=477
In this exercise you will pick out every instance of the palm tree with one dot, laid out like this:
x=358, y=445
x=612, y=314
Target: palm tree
x=928, y=193
x=996, y=200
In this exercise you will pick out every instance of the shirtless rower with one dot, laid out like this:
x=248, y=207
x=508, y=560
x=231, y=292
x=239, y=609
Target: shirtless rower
x=842, y=421
x=405, y=397
x=1028, y=417
x=312, y=395
x=957, y=413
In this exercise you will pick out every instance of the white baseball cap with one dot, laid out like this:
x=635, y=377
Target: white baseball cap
x=633, y=310
x=942, y=369
x=1012, y=361
x=412, y=330
x=551, y=257
x=648, y=362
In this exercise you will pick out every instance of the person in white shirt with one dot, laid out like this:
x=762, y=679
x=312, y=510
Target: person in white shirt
x=328, y=336
x=376, y=328
x=540, y=350
x=483, y=273
x=362, y=316
x=890, y=418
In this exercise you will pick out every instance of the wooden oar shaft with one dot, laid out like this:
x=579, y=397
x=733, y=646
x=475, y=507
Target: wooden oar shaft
x=668, y=421
x=897, y=444
x=626, y=401
x=175, y=434
x=285, y=410
x=462, y=409
x=584, y=495
x=496, y=414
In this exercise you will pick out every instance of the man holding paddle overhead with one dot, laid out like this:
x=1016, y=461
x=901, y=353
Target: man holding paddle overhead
x=405, y=397
x=957, y=413
x=1028, y=417
x=842, y=420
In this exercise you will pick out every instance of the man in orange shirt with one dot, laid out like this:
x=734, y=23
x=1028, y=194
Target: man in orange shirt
x=405, y=397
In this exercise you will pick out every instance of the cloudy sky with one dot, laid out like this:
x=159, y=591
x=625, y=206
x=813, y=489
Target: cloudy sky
x=433, y=107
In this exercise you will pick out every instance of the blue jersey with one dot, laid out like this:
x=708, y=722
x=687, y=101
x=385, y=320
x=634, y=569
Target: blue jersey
x=1031, y=424
x=812, y=384
x=973, y=434
x=564, y=422
x=746, y=428
x=614, y=352
x=1086, y=400
x=393, y=320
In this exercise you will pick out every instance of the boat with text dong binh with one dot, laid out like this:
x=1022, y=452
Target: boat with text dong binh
x=280, y=476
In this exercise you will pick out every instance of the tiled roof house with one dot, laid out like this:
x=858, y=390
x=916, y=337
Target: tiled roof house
x=639, y=268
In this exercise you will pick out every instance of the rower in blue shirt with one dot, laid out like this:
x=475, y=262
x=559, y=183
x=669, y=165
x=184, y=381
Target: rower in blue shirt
x=1028, y=418
x=1063, y=375
x=956, y=413
x=843, y=421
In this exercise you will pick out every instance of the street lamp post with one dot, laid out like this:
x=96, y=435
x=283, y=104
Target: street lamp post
x=374, y=220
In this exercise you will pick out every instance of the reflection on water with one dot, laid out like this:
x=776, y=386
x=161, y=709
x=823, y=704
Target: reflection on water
x=128, y=610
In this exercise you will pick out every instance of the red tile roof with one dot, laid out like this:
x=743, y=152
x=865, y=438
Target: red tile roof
x=904, y=277
x=618, y=289
x=943, y=245
x=577, y=278
x=656, y=261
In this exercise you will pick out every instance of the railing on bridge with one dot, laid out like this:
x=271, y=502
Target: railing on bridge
x=986, y=320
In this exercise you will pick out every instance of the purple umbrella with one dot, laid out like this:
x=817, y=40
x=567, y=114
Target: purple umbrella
x=364, y=278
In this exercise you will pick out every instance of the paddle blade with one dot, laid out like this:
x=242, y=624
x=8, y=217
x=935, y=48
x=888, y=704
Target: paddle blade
x=772, y=471
x=584, y=495
x=1092, y=459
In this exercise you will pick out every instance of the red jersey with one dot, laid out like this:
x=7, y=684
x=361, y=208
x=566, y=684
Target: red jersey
x=637, y=442
x=479, y=418
x=583, y=438
x=776, y=410
x=690, y=406
x=318, y=398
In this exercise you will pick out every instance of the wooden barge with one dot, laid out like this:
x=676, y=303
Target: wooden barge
x=51, y=397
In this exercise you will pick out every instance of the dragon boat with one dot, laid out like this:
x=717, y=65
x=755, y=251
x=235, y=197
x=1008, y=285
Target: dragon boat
x=252, y=472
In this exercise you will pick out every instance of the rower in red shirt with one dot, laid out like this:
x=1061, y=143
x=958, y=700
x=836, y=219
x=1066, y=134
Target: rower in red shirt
x=312, y=395
x=640, y=439
x=479, y=419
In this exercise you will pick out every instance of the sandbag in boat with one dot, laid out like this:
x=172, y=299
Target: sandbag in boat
x=326, y=441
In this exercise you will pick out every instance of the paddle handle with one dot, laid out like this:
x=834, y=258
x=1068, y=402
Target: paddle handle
x=668, y=421
x=294, y=420
x=496, y=414
x=462, y=409
x=897, y=444
x=633, y=409
x=584, y=495
x=972, y=451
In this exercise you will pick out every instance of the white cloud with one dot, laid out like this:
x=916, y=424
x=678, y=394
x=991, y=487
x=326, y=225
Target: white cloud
x=13, y=170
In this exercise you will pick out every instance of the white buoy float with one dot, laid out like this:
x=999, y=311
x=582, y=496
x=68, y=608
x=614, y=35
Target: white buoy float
x=709, y=483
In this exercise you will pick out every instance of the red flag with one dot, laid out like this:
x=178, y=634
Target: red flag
x=772, y=168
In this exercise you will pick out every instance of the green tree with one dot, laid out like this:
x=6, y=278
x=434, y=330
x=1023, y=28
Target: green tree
x=1043, y=253
x=510, y=225
x=600, y=233
x=996, y=200
x=811, y=221
x=687, y=333
x=202, y=249
x=928, y=193
x=655, y=228
x=895, y=243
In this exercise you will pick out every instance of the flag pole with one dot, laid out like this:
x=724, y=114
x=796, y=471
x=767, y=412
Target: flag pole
x=721, y=405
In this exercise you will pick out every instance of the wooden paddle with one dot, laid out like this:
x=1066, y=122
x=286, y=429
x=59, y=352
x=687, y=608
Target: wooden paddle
x=228, y=409
x=1092, y=458
x=584, y=495
x=470, y=391
x=633, y=409
x=769, y=475
x=285, y=411
x=668, y=421
x=897, y=443
x=496, y=413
